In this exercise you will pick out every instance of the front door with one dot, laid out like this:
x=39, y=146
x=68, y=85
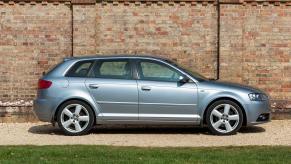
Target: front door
x=114, y=90
x=162, y=97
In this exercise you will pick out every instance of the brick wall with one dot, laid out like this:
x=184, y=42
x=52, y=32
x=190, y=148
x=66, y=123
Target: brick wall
x=183, y=32
x=255, y=41
x=85, y=26
x=33, y=38
x=256, y=46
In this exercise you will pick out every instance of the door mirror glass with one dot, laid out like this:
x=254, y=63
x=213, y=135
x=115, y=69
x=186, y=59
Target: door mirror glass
x=183, y=79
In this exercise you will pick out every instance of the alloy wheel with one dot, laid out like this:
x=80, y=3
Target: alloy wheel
x=75, y=118
x=224, y=118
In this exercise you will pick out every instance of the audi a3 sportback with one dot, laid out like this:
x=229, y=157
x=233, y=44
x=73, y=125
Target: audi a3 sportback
x=81, y=92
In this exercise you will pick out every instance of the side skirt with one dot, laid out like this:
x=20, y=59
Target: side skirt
x=151, y=119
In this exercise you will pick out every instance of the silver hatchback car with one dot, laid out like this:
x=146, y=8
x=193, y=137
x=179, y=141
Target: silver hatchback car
x=81, y=92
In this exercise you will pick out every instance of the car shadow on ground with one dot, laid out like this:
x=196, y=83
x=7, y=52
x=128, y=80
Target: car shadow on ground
x=48, y=129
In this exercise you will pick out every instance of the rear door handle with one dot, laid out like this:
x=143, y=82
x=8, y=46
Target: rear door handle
x=145, y=88
x=93, y=86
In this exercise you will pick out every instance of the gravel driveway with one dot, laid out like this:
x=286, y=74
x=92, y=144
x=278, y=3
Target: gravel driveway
x=277, y=132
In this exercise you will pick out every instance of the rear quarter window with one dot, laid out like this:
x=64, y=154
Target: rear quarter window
x=52, y=69
x=80, y=69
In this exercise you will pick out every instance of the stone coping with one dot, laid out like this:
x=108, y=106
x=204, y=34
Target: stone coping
x=86, y=2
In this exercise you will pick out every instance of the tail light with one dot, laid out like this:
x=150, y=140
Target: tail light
x=44, y=84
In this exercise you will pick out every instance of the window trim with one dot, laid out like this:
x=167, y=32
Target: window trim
x=138, y=70
x=97, y=64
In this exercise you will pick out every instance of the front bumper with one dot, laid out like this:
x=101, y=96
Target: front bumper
x=258, y=112
x=43, y=109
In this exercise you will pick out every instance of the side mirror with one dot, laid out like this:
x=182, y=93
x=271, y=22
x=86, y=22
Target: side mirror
x=183, y=79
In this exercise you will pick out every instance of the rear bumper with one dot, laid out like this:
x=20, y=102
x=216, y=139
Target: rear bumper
x=258, y=112
x=43, y=109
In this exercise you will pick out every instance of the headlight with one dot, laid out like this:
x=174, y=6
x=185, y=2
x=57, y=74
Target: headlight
x=258, y=97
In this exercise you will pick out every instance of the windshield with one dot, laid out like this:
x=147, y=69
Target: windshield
x=194, y=74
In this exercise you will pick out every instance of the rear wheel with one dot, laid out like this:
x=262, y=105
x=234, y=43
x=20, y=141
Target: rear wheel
x=75, y=117
x=224, y=117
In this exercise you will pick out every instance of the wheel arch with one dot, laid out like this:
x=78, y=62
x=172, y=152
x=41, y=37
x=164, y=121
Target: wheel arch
x=225, y=98
x=70, y=99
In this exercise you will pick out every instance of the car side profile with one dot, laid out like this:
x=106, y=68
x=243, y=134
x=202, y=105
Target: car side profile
x=82, y=92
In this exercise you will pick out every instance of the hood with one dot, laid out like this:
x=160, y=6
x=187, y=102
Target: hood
x=223, y=85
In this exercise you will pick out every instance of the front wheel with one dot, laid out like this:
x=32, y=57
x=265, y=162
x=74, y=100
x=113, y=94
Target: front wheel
x=75, y=118
x=224, y=117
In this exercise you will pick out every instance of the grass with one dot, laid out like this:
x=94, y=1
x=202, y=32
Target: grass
x=109, y=154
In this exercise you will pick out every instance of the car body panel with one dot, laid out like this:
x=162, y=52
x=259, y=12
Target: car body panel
x=117, y=98
x=123, y=102
x=168, y=101
x=209, y=91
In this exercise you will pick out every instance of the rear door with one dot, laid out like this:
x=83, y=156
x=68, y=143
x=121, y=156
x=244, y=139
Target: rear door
x=114, y=90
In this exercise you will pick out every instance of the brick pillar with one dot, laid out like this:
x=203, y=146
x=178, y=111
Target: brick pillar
x=84, y=27
x=231, y=42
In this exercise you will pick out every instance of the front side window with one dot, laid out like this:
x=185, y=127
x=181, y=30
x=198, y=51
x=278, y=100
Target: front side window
x=194, y=74
x=112, y=69
x=80, y=69
x=155, y=71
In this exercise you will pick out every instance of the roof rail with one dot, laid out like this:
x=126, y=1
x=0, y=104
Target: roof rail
x=68, y=58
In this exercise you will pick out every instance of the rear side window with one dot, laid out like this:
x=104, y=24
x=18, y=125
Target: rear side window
x=80, y=69
x=112, y=69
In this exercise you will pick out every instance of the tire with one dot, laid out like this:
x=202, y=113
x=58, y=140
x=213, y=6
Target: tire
x=224, y=117
x=75, y=118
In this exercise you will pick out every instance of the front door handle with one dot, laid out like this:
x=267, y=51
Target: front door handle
x=93, y=86
x=145, y=88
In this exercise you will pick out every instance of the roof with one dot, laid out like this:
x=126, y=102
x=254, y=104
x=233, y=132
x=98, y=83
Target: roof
x=115, y=56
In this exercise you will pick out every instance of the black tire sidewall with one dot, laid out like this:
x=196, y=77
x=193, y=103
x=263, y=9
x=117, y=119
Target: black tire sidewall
x=91, y=117
x=210, y=109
